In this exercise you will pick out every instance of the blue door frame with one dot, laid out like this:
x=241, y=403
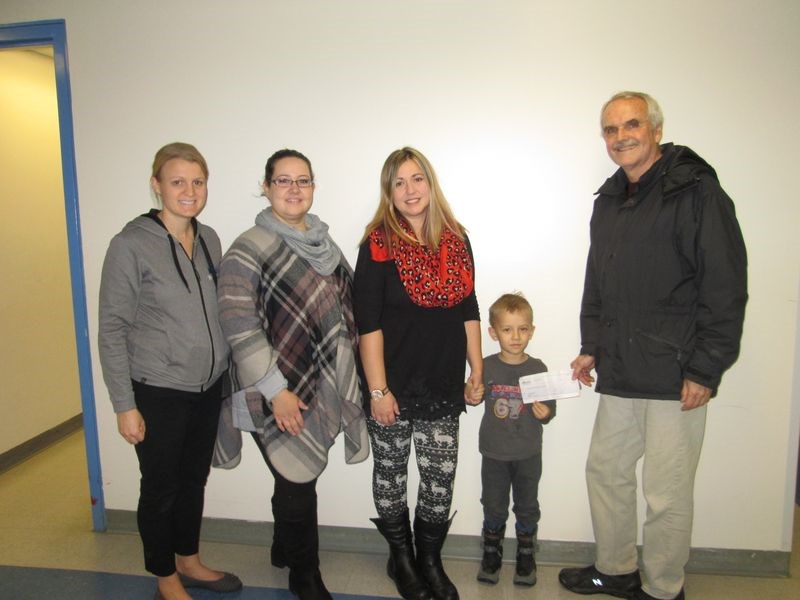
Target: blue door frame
x=53, y=33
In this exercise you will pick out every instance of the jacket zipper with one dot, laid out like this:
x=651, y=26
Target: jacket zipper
x=661, y=340
x=205, y=316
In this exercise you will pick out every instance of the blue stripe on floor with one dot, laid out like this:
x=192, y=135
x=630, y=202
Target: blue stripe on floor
x=31, y=583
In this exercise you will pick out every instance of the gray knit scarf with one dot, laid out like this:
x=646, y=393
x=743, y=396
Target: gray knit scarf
x=314, y=245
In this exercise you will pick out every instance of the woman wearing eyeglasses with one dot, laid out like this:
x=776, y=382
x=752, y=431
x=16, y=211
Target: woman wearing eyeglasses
x=418, y=318
x=285, y=299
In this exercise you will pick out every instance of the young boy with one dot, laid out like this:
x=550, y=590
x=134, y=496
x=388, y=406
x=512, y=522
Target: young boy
x=511, y=441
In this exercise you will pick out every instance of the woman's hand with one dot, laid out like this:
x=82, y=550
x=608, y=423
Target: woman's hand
x=286, y=407
x=385, y=410
x=130, y=424
x=473, y=389
x=472, y=396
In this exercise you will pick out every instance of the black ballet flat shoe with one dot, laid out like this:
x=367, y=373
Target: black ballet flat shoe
x=227, y=583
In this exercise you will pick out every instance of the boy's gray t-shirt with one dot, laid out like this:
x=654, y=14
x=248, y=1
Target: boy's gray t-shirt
x=509, y=431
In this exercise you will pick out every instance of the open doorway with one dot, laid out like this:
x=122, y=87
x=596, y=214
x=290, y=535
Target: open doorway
x=40, y=398
x=50, y=37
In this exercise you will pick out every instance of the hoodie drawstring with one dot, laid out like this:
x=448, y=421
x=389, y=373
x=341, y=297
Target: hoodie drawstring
x=153, y=214
x=175, y=260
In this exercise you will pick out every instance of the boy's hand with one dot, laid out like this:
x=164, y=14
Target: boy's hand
x=473, y=391
x=541, y=411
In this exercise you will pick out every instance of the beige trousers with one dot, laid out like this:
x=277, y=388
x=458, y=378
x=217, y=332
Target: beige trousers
x=670, y=440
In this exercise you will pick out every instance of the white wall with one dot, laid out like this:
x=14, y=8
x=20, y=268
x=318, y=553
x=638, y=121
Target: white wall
x=503, y=97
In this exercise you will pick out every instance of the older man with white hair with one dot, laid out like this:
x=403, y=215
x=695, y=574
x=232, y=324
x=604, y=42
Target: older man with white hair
x=661, y=320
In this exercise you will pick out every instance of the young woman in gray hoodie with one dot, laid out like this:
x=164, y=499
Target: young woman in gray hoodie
x=163, y=356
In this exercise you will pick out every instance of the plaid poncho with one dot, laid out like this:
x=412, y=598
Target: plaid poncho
x=277, y=310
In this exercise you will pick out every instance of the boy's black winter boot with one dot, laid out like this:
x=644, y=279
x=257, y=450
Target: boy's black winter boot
x=525, y=573
x=492, y=560
x=401, y=566
x=429, y=539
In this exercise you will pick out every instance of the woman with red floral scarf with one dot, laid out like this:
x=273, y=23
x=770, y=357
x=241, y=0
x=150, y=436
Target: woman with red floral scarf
x=418, y=321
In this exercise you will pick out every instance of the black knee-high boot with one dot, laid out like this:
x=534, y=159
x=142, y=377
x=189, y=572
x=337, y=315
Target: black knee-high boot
x=401, y=566
x=296, y=545
x=305, y=579
x=295, y=540
x=429, y=539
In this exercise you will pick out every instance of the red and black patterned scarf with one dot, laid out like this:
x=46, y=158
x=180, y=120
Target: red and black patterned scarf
x=431, y=279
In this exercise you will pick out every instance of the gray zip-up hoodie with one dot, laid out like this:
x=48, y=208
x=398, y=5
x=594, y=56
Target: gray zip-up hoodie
x=159, y=323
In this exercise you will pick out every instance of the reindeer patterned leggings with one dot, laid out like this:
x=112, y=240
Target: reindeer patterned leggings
x=436, y=449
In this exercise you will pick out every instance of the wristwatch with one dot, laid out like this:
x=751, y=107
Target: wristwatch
x=378, y=394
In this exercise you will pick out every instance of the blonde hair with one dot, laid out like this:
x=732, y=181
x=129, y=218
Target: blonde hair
x=439, y=216
x=180, y=150
x=511, y=303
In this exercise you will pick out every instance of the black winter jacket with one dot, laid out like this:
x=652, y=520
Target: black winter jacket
x=666, y=280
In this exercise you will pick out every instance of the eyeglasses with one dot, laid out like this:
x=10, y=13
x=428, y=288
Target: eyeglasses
x=286, y=182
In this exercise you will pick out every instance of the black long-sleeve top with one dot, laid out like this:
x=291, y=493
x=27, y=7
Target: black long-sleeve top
x=425, y=349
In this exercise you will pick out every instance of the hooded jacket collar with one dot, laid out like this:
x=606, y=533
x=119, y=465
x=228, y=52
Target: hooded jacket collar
x=678, y=168
x=159, y=228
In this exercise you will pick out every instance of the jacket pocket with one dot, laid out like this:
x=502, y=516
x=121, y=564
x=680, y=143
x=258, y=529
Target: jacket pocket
x=667, y=343
x=659, y=360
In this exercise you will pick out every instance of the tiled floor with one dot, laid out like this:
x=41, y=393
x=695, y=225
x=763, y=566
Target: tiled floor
x=45, y=522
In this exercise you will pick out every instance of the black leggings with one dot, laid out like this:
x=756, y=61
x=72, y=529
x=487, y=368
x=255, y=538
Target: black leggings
x=174, y=461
